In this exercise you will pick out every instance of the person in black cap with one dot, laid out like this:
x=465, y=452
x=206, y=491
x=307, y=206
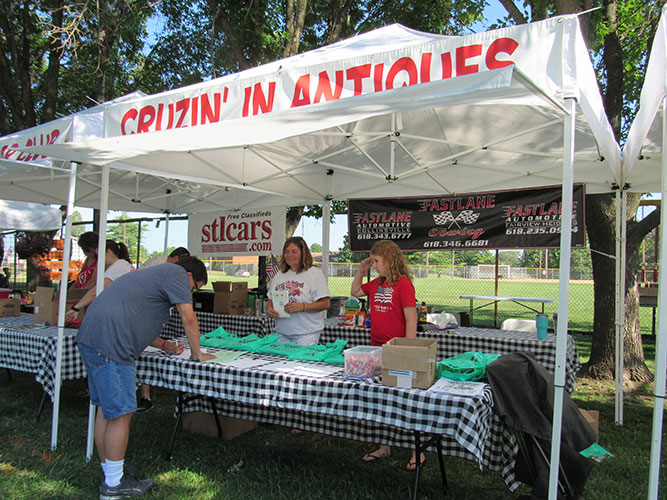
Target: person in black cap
x=119, y=324
x=145, y=402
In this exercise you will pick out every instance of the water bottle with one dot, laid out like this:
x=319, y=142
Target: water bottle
x=423, y=313
x=341, y=314
x=542, y=321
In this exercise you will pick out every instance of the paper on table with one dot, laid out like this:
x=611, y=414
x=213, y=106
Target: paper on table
x=184, y=355
x=247, y=362
x=280, y=300
x=301, y=369
x=225, y=356
x=456, y=388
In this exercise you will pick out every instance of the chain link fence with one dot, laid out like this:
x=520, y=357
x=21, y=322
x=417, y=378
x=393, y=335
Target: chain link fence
x=439, y=286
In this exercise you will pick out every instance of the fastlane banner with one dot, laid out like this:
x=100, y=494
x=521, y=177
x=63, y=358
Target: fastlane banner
x=241, y=232
x=522, y=218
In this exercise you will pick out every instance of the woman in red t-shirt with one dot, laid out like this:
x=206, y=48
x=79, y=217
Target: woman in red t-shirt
x=88, y=242
x=392, y=307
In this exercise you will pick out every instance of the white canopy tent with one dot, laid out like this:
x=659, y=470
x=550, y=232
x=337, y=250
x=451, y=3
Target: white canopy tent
x=35, y=177
x=495, y=126
x=390, y=113
x=644, y=164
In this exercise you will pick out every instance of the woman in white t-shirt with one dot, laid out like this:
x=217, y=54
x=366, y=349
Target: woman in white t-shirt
x=297, y=295
x=116, y=262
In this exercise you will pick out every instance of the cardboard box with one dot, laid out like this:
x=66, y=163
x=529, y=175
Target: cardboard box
x=593, y=418
x=10, y=307
x=231, y=297
x=409, y=362
x=46, y=304
x=199, y=422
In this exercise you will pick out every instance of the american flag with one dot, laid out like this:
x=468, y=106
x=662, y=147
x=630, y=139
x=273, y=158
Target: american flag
x=271, y=267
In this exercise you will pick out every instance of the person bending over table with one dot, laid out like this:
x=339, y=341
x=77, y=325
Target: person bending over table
x=117, y=263
x=145, y=402
x=392, y=308
x=118, y=326
x=307, y=291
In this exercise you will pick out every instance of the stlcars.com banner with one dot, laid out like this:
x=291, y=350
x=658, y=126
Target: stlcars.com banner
x=226, y=234
x=524, y=218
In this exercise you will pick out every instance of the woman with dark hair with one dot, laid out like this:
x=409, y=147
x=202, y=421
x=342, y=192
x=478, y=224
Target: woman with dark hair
x=88, y=243
x=116, y=262
x=306, y=294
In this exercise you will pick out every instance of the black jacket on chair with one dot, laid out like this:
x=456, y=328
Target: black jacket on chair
x=523, y=393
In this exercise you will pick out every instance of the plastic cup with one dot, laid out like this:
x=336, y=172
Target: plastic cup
x=542, y=322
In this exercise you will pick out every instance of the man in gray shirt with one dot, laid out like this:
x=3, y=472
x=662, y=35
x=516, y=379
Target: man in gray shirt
x=120, y=323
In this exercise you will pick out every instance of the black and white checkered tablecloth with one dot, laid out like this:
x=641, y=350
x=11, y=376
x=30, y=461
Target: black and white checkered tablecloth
x=359, y=410
x=450, y=342
x=239, y=325
x=33, y=350
x=463, y=339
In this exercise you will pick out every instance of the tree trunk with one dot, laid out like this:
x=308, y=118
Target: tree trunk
x=34, y=276
x=338, y=19
x=292, y=220
x=601, y=230
x=294, y=22
x=55, y=53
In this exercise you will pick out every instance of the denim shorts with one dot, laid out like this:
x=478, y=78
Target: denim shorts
x=305, y=339
x=112, y=385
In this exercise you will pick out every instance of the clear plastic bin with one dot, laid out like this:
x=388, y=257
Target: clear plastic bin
x=362, y=362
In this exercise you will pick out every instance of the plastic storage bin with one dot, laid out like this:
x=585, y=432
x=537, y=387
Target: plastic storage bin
x=362, y=362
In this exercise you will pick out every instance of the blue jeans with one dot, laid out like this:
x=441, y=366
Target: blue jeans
x=112, y=385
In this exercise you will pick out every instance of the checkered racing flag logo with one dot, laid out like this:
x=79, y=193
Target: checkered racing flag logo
x=443, y=218
x=465, y=216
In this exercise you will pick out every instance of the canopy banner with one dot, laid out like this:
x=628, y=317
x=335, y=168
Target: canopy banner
x=386, y=59
x=54, y=132
x=227, y=234
x=522, y=218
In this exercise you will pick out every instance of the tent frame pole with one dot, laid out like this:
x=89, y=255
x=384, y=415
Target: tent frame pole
x=620, y=306
x=62, y=305
x=326, y=236
x=661, y=347
x=166, y=232
x=563, y=293
x=101, y=252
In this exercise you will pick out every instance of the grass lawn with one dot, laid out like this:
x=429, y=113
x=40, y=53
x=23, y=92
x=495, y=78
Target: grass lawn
x=272, y=463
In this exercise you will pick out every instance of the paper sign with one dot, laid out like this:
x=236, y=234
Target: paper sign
x=241, y=232
x=403, y=377
x=280, y=300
